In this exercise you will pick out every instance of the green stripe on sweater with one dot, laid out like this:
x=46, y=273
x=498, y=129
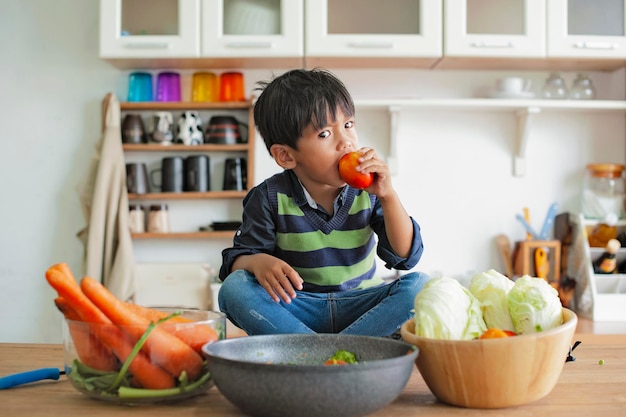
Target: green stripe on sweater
x=316, y=240
x=335, y=275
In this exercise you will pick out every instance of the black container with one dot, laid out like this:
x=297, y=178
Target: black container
x=224, y=130
x=172, y=172
x=133, y=130
x=197, y=174
x=137, y=178
x=235, y=174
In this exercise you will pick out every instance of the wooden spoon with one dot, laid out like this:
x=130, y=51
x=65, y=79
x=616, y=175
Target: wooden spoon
x=504, y=247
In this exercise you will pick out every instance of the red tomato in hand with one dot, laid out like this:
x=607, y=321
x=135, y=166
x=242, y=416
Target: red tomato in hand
x=347, y=170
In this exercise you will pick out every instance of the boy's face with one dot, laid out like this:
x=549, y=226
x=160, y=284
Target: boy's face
x=319, y=151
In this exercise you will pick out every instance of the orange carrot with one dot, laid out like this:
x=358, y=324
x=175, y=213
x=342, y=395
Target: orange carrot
x=163, y=348
x=148, y=374
x=89, y=349
x=194, y=335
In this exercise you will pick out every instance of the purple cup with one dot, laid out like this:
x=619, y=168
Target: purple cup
x=168, y=86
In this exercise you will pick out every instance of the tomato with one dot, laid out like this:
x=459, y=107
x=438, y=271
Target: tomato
x=335, y=362
x=510, y=333
x=347, y=170
x=493, y=334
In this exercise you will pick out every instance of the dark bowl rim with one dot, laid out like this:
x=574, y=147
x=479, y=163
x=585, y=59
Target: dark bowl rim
x=410, y=356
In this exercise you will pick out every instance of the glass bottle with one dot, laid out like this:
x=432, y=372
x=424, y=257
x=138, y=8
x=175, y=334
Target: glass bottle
x=582, y=88
x=554, y=87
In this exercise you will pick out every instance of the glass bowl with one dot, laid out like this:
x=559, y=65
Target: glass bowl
x=168, y=366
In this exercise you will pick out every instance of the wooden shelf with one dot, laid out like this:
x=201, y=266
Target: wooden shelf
x=185, y=105
x=226, y=234
x=155, y=147
x=188, y=195
x=525, y=110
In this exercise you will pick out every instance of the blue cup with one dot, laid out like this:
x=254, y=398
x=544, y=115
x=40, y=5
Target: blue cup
x=140, y=86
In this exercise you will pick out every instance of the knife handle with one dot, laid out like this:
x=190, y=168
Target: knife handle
x=29, y=376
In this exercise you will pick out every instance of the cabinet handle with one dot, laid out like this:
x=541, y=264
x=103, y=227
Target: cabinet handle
x=595, y=45
x=260, y=44
x=147, y=45
x=495, y=44
x=371, y=45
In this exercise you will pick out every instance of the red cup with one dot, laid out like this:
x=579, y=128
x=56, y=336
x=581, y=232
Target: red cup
x=231, y=87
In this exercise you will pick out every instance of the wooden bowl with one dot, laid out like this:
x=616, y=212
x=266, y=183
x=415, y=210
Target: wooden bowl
x=493, y=373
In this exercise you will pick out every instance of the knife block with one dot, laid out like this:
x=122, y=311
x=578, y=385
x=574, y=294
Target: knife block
x=524, y=258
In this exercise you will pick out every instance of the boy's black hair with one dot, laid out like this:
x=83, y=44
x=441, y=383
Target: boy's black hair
x=296, y=99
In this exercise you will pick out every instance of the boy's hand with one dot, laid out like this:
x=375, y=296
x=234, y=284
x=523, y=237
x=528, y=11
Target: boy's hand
x=372, y=163
x=275, y=275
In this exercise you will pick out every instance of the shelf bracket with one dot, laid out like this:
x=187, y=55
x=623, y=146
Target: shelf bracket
x=392, y=158
x=524, y=121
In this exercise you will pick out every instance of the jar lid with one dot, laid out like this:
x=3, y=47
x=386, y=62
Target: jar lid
x=606, y=170
x=137, y=207
x=156, y=207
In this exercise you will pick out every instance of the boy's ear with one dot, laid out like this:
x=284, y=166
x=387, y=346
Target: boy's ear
x=283, y=156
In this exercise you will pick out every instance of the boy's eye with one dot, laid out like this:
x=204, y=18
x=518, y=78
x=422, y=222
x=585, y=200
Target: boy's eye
x=324, y=134
x=349, y=124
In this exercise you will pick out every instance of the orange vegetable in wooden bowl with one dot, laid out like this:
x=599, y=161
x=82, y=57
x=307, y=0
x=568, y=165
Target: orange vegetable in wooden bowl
x=493, y=373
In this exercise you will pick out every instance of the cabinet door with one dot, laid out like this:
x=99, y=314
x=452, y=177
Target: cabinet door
x=494, y=28
x=373, y=28
x=149, y=28
x=252, y=28
x=582, y=28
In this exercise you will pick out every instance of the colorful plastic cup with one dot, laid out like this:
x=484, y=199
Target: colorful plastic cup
x=204, y=87
x=232, y=87
x=168, y=86
x=140, y=86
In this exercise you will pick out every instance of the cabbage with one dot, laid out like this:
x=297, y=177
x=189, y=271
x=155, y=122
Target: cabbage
x=491, y=288
x=534, y=305
x=444, y=309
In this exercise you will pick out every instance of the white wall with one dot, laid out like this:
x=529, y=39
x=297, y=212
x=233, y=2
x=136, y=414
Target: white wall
x=455, y=166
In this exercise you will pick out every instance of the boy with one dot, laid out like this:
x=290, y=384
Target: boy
x=303, y=259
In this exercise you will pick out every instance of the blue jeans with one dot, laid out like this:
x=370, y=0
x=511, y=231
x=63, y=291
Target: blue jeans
x=377, y=311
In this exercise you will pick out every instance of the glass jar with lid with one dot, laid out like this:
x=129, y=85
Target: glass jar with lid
x=603, y=191
x=582, y=88
x=554, y=87
x=159, y=219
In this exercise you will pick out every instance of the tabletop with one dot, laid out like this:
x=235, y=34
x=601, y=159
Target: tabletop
x=585, y=388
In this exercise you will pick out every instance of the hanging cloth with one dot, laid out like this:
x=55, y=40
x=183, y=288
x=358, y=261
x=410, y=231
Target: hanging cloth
x=104, y=200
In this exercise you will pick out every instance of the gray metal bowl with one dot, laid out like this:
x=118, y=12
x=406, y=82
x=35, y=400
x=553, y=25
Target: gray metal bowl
x=285, y=375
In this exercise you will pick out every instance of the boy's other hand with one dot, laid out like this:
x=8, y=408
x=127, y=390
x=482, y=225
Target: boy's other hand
x=278, y=278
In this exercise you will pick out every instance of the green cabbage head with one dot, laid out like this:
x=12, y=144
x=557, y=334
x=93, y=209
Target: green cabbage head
x=534, y=305
x=444, y=309
x=491, y=288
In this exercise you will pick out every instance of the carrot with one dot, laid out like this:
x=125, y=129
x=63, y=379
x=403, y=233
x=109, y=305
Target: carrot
x=163, y=348
x=89, y=349
x=148, y=374
x=195, y=336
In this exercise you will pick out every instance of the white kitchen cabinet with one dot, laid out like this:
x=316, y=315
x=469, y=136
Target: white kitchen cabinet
x=354, y=31
x=495, y=28
x=585, y=29
x=207, y=33
x=252, y=28
x=149, y=28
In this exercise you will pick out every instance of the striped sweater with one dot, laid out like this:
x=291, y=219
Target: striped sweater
x=330, y=255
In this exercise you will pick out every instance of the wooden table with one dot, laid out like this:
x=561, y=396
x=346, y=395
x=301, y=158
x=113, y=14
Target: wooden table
x=585, y=388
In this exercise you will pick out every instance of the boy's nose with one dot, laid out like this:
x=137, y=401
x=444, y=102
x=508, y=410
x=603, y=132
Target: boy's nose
x=346, y=144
